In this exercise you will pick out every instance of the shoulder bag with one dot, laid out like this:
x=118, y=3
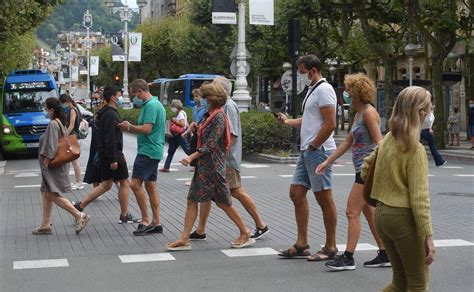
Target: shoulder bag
x=68, y=150
x=369, y=180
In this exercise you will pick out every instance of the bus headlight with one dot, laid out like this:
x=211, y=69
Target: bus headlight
x=7, y=130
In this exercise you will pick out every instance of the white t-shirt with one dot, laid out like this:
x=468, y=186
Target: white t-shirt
x=323, y=96
x=428, y=122
x=182, y=116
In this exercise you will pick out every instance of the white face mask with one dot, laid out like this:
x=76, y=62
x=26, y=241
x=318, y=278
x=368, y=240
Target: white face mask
x=173, y=109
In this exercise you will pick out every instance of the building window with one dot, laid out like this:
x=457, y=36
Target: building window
x=403, y=73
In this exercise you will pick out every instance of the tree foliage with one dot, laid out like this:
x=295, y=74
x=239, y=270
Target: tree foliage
x=16, y=53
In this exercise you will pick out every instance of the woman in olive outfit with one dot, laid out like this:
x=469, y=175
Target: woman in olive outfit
x=400, y=186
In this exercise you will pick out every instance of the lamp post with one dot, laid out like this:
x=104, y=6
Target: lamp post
x=87, y=23
x=287, y=67
x=332, y=72
x=126, y=14
x=70, y=42
x=241, y=94
x=410, y=51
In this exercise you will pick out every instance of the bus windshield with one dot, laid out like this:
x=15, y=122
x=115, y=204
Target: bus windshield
x=26, y=101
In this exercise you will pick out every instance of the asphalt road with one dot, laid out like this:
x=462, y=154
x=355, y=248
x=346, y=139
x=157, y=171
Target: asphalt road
x=106, y=257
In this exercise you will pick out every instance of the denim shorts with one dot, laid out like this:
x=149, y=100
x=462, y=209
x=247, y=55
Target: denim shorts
x=145, y=168
x=305, y=173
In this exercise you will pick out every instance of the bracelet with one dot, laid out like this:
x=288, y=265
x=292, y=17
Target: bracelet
x=128, y=128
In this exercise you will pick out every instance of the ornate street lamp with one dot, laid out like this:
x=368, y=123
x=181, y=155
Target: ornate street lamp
x=126, y=14
x=87, y=23
x=410, y=51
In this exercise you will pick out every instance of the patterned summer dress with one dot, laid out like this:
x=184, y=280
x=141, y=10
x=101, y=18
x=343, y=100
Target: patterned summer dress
x=363, y=144
x=209, y=177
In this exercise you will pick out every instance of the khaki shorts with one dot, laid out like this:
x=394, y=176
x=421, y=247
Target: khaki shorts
x=232, y=176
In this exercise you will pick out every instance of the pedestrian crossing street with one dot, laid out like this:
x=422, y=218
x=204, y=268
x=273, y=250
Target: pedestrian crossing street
x=230, y=253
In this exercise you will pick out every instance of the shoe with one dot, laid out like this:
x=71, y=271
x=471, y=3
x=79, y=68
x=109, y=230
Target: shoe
x=250, y=241
x=381, y=260
x=77, y=206
x=341, y=262
x=197, y=236
x=77, y=186
x=128, y=219
x=442, y=164
x=145, y=230
x=259, y=233
x=164, y=169
x=82, y=222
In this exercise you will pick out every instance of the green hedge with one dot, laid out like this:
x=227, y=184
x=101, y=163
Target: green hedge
x=260, y=131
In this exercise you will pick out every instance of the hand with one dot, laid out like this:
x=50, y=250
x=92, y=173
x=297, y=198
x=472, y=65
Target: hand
x=282, y=118
x=114, y=166
x=431, y=131
x=46, y=162
x=123, y=125
x=322, y=167
x=186, y=161
x=184, y=134
x=173, y=120
x=429, y=250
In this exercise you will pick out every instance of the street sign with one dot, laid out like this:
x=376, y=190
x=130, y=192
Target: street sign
x=301, y=82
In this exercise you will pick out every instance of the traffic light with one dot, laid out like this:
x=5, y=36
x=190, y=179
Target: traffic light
x=117, y=79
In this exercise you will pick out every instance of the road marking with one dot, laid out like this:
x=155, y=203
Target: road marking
x=285, y=175
x=338, y=165
x=150, y=257
x=452, y=167
x=27, y=174
x=360, y=246
x=464, y=175
x=253, y=165
x=249, y=252
x=21, y=265
x=343, y=174
x=183, y=179
x=71, y=172
x=292, y=165
x=248, y=176
x=431, y=175
x=27, y=186
x=2, y=166
x=451, y=242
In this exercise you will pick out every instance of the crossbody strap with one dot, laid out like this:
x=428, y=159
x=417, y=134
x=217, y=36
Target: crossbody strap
x=311, y=92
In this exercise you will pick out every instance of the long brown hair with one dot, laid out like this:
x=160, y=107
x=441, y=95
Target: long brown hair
x=405, y=122
x=65, y=97
x=58, y=111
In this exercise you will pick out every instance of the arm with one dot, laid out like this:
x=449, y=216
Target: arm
x=372, y=120
x=180, y=120
x=341, y=149
x=72, y=120
x=328, y=126
x=295, y=123
x=50, y=143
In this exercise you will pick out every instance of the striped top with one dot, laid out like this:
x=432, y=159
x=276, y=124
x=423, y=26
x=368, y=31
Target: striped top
x=401, y=180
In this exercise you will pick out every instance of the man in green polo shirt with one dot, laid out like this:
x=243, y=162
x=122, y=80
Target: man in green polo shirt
x=151, y=140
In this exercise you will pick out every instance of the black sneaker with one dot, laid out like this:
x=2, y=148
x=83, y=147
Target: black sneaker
x=381, y=260
x=341, y=262
x=259, y=233
x=78, y=206
x=145, y=230
x=128, y=219
x=197, y=236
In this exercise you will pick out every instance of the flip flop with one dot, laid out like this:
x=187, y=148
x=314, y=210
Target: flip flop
x=186, y=246
x=324, y=254
x=250, y=241
x=42, y=230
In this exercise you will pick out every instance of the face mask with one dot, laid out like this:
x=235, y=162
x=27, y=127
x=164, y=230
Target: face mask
x=65, y=107
x=46, y=114
x=203, y=102
x=120, y=101
x=471, y=105
x=174, y=110
x=347, y=98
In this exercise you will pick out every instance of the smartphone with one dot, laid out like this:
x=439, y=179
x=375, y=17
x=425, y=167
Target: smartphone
x=275, y=115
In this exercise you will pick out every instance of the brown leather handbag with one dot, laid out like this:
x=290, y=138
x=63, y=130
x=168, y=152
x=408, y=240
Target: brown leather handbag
x=369, y=181
x=68, y=150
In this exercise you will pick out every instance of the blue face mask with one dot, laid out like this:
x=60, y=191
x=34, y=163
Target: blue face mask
x=120, y=101
x=346, y=97
x=46, y=114
x=204, y=103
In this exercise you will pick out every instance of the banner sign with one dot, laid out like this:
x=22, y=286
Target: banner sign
x=65, y=70
x=261, y=12
x=135, y=47
x=82, y=61
x=75, y=73
x=117, y=47
x=94, y=69
x=223, y=12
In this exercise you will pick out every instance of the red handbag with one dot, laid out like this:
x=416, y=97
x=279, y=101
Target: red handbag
x=176, y=129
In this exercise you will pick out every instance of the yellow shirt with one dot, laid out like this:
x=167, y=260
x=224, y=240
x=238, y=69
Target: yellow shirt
x=401, y=180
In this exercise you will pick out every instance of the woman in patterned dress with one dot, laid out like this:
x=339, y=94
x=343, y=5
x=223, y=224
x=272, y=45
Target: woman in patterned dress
x=209, y=178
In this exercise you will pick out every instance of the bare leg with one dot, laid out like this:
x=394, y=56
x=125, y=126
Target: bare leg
x=47, y=210
x=204, y=210
x=355, y=204
x=150, y=187
x=328, y=207
x=96, y=192
x=369, y=213
x=137, y=189
x=452, y=139
x=123, y=196
x=457, y=139
x=245, y=233
x=77, y=170
x=189, y=219
x=298, y=197
x=246, y=200
x=64, y=204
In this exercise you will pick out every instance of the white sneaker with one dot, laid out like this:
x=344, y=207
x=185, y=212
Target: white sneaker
x=77, y=186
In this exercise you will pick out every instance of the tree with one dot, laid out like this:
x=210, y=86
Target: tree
x=437, y=21
x=16, y=53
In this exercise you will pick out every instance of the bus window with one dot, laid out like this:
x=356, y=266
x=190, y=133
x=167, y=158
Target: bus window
x=26, y=101
x=175, y=89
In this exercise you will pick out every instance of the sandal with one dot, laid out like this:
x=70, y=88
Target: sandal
x=325, y=254
x=42, y=230
x=301, y=252
x=174, y=246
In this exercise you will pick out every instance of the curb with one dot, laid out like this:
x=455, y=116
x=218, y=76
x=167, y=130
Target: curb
x=271, y=159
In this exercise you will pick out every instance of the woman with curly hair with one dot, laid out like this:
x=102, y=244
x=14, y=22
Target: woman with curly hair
x=364, y=136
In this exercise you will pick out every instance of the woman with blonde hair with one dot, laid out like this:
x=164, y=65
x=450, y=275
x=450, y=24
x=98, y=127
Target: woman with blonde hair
x=177, y=140
x=400, y=185
x=363, y=138
x=209, y=178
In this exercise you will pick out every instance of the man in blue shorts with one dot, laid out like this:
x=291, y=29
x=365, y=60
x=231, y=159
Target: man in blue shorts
x=151, y=140
x=317, y=143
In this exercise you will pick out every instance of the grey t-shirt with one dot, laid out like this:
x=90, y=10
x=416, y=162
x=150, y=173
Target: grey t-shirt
x=235, y=156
